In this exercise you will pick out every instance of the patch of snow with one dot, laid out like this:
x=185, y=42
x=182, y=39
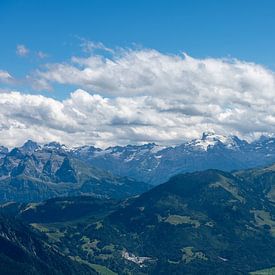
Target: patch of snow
x=130, y=158
x=157, y=148
x=158, y=157
x=210, y=139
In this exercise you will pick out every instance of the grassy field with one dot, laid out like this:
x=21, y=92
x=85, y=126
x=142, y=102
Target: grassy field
x=102, y=270
x=268, y=271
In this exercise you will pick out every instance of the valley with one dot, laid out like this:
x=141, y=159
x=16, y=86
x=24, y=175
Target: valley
x=195, y=223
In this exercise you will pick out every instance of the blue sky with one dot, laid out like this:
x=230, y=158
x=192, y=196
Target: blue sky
x=238, y=28
x=242, y=28
x=102, y=55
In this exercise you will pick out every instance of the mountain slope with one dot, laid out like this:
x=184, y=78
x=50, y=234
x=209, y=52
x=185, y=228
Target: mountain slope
x=26, y=252
x=149, y=163
x=156, y=164
x=200, y=222
x=209, y=222
x=32, y=173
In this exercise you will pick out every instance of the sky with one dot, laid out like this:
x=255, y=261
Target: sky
x=106, y=72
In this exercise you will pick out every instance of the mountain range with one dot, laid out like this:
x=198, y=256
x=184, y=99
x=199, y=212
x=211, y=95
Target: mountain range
x=205, y=222
x=35, y=172
x=32, y=173
x=156, y=164
x=86, y=210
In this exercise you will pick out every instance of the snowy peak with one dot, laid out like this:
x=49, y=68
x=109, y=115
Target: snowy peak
x=211, y=139
x=129, y=152
x=86, y=149
x=154, y=163
x=56, y=146
x=209, y=135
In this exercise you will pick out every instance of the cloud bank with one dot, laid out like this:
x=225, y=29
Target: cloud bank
x=137, y=96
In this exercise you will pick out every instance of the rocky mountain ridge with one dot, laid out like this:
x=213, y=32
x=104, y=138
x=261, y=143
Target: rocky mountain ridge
x=155, y=164
x=35, y=173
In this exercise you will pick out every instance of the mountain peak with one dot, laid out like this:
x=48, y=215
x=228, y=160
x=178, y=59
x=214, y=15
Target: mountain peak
x=210, y=139
x=54, y=145
x=211, y=135
x=206, y=135
x=29, y=146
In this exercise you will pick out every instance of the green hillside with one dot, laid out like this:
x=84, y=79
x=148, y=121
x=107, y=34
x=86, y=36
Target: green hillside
x=209, y=222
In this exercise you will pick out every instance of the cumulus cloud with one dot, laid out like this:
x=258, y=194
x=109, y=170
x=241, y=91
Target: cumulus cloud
x=84, y=118
x=138, y=96
x=148, y=72
x=22, y=50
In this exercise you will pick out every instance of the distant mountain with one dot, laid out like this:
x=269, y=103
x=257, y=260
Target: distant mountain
x=156, y=164
x=3, y=151
x=208, y=222
x=29, y=147
x=33, y=173
x=36, y=172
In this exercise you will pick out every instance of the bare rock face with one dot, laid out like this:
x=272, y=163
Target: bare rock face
x=35, y=173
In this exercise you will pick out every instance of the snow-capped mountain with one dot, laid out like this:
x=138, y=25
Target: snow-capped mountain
x=153, y=163
x=210, y=139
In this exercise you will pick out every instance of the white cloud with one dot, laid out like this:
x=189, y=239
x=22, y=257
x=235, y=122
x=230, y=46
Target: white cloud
x=139, y=96
x=82, y=118
x=41, y=54
x=22, y=50
x=92, y=119
x=148, y=72
x=90, y=46
x=5, y=77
